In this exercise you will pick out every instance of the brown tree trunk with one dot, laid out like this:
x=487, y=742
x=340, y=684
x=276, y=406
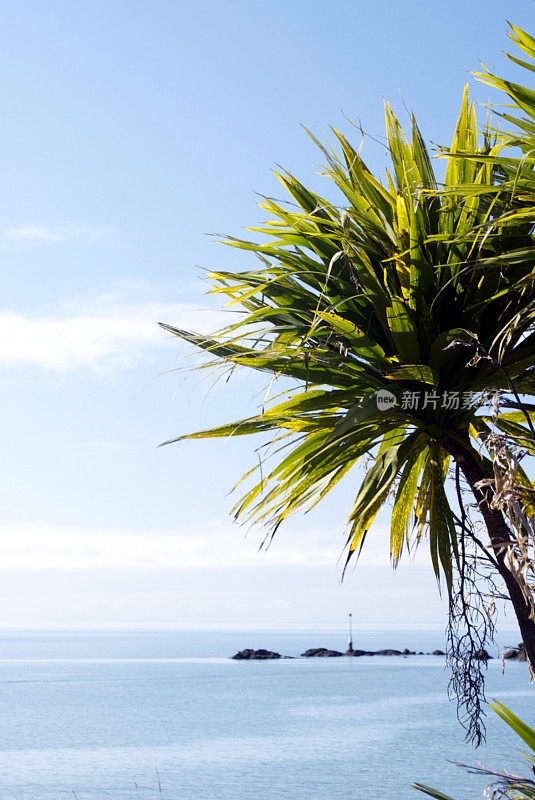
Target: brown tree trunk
x=500, y=538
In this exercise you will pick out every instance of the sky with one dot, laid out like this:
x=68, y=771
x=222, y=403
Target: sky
x=132, y=135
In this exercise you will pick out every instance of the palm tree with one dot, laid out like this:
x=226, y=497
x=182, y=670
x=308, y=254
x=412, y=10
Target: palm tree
x=390, y=314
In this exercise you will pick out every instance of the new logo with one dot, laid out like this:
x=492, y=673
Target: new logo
x=385, y=399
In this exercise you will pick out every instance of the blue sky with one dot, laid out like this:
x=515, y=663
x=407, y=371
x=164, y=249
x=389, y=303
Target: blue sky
x=128, y=132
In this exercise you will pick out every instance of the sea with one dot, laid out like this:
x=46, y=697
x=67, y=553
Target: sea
x=168, y=715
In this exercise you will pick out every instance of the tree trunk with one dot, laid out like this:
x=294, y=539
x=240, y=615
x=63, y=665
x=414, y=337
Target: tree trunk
x=500, y=538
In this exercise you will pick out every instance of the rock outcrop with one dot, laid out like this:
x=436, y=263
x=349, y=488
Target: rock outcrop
x=320, y=652
x=258, y=655
x=359, y=653
x=324, y=652
x=515, y=653
x=405, y=652
x=482, y=655
x=388, y=652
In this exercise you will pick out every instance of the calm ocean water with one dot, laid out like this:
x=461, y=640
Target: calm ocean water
x=102, y=714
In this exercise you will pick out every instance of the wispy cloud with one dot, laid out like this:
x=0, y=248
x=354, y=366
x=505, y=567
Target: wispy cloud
x=213, y=544
x=34, y=234
x=105, y=335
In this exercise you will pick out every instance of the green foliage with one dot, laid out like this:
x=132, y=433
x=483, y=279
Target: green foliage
x=396, y=288
x=514, y=153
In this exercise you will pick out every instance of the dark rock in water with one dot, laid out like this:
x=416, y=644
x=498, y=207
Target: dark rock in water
x=420, y=653
x=438, y=653
x=320, y=652
x=388, y=652
x=515, y=653
x=252, y=655
x=482, y=655
x=359, y=653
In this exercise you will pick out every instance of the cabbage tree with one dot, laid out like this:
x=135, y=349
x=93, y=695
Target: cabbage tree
x=390, y=313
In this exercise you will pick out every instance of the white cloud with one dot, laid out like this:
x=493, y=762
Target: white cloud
x=214, y=544
x=105, y=335
x=35, y=234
